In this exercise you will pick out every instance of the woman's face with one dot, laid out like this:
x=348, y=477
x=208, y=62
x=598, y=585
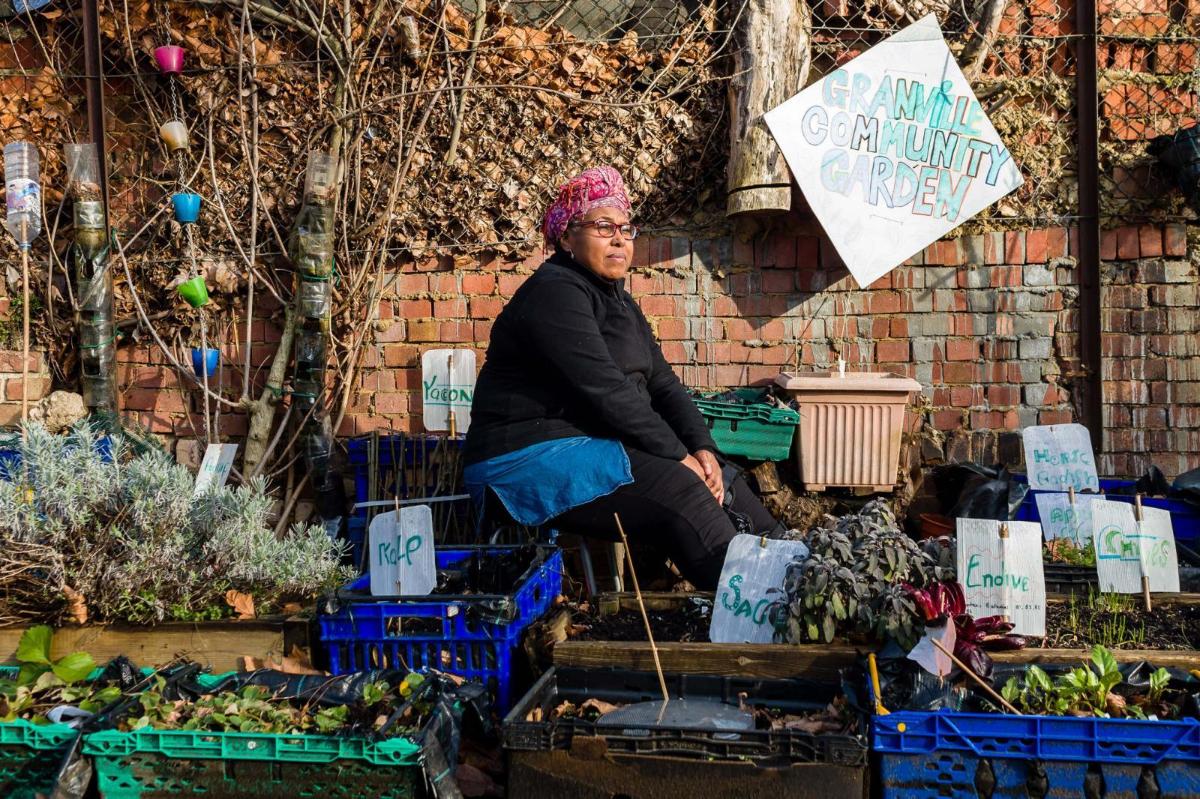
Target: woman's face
x=607, y=257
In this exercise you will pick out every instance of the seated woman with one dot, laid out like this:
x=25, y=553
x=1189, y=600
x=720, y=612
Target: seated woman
x=578, y=416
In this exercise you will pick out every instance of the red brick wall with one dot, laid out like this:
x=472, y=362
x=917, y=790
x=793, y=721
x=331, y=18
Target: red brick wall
x=10, y=383
x=1151, y=348
x=987, y=324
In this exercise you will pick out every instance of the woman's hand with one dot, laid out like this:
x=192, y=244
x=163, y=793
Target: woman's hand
x=704, y=464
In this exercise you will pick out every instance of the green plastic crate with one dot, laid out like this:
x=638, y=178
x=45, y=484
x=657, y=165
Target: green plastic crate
x=147, y=764
x=761, y=431
x=30, y=754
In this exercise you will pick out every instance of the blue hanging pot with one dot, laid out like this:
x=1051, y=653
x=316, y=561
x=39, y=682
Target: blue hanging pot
x=187, y=207
x=204, y=362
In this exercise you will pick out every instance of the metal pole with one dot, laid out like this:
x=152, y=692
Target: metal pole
x=1088, y=111
x=93, y=68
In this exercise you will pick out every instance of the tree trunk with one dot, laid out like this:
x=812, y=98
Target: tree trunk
x=771, y=61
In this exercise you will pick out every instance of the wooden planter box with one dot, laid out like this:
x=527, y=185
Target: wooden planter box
x=820, y=662
x=220, y=645
x=814, y=661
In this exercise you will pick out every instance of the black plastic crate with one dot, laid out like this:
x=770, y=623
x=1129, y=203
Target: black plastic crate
x=621, y=686
x=1062, y=578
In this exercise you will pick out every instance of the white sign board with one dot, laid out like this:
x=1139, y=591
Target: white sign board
x=1125, y=549
x=753, y=567
x=1063, y=519
x=402, y=550
x=447, y=388
x=1003, y=576
x=214, y=469
x=892, y=150
x=1059, y=456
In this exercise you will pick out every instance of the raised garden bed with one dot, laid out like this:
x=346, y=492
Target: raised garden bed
x=823, y=662
x=219, y=645
x=818, y=662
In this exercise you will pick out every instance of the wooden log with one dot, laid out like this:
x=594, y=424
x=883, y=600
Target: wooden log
x=771, y=63
x=219, y=645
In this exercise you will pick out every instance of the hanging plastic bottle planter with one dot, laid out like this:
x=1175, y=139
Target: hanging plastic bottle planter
x=174, y=134
x=187, y=207
x=205, y=361
x=194, y=292
x=314, y=299
x=169, y=58
x=320, y=177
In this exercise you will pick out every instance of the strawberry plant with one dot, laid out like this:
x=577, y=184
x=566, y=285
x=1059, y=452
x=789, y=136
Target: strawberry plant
x=43, y=683
x=253, y=708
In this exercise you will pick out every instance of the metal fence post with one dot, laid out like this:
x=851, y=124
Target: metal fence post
x=1088, y=110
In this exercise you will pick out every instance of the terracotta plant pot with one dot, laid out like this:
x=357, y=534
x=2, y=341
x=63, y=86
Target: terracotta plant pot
x=850, y=427
x=935, y=525
x=169, y=58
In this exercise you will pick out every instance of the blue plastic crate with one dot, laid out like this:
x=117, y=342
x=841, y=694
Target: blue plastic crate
x=1185, y=518
x=948, y=754
x=473, y=636
x=392, y=450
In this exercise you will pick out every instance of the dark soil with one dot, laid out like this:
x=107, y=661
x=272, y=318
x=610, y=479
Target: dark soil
x=689, y=623
x=1126, y=626
x=1169, y=627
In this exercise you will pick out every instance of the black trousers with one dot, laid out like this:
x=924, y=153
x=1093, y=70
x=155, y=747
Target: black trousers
x=668, y=508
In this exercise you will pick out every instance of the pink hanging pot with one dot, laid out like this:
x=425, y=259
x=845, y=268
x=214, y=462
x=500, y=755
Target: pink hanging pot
x=169, y=58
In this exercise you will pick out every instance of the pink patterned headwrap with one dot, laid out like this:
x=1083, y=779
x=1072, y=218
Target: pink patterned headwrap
x=598, y=187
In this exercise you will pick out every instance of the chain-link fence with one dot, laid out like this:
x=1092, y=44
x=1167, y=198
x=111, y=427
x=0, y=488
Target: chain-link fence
x=461, y=119
x=1149, y=85
x=1020, y=59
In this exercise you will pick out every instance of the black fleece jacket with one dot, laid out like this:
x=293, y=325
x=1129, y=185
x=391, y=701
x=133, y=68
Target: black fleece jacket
x=571, y=354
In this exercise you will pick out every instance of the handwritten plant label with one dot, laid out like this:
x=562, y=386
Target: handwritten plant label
x=1003, y=576
x=447, y=389
x=402, y=550
x=892, y=150
x=1059, y=456
x=750, y=581
x=1125, y=549
x=1061, y=519
x=214, y=469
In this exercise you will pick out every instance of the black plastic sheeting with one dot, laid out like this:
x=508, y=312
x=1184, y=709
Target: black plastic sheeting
x=1179, y=153
x=975, y=491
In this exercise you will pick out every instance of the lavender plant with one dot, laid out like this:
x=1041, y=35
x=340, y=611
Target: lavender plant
x=137, y=545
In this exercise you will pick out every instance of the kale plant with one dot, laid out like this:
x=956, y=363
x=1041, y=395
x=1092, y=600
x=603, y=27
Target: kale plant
x=135, y=545
x=851, y=584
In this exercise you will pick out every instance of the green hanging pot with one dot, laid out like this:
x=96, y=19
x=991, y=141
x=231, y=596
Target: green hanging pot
x=194, y=291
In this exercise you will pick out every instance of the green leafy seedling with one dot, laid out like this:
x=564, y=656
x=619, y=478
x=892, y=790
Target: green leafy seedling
x=33, y=653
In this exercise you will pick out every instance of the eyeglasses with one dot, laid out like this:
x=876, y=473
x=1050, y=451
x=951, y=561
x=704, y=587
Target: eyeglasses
x=606, y=229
